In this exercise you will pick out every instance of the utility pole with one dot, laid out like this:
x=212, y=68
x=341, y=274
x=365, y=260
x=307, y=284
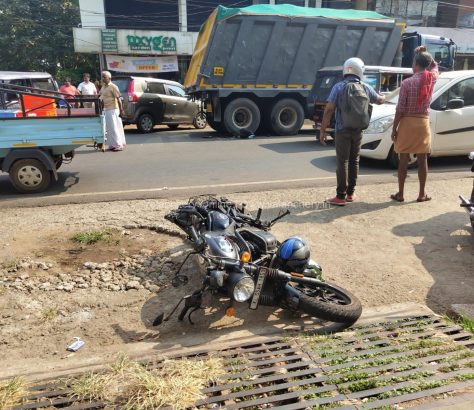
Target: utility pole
x=183, y=15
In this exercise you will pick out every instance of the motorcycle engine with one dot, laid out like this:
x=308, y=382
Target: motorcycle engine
x=260, y=242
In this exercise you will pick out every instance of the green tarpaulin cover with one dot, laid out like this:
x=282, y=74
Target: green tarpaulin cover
x=289, y=10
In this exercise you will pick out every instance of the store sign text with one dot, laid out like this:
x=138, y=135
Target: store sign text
x=158, y=43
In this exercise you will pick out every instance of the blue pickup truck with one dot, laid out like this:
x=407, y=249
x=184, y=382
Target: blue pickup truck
x=36, y=137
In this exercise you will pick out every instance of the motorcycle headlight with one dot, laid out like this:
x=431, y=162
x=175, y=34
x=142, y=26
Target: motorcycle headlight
x=243, y=289
x=380, y=125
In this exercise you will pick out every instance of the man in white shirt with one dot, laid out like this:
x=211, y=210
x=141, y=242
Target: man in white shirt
x=87, y=88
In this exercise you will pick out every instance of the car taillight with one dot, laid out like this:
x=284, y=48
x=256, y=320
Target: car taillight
x=132, y=97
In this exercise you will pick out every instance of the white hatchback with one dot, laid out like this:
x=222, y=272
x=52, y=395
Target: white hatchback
x=451, y=120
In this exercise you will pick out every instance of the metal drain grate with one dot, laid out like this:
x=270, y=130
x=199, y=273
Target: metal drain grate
x=411, y=361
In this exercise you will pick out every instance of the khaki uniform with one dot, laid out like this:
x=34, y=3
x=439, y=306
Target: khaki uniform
x=109, y=94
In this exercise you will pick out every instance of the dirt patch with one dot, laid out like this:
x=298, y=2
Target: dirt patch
x=60, y=247
x=384, y=252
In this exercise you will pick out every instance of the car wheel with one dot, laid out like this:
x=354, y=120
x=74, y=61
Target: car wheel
x=287, y=117
x=200, y=120
x=29, y=176
x=173, y=126
x=394, y=160
x=145, y=123
x=241, y=114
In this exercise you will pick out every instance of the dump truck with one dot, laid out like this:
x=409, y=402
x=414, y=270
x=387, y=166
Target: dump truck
x=253, y=67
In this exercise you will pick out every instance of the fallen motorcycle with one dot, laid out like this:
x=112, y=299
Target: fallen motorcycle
x=468, y=204
x=244, y=260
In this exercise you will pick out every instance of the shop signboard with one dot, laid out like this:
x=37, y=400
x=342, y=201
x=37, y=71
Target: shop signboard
x=151, y=43
x=133, y=42
x=142, y=64
x=109, y=40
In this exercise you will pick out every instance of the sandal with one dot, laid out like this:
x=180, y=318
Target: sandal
x=397, y=197
x=423, y=199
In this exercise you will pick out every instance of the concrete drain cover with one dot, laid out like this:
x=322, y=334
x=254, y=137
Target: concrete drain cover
x=391, y=365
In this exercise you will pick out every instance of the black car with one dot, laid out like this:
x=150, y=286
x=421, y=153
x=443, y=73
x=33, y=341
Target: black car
x=149, y=101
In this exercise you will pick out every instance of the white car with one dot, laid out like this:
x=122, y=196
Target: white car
x=451, y=120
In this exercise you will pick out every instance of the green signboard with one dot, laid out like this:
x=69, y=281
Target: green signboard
x=149, y=43
x=109, y=40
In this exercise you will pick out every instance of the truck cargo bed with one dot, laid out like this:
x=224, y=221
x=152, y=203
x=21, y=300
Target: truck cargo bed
x=56, y=134
x=268, y=47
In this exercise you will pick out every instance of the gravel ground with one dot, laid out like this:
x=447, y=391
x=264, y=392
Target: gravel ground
x=53, y=289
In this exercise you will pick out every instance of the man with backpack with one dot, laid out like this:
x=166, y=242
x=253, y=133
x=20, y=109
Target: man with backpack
x=350, y=99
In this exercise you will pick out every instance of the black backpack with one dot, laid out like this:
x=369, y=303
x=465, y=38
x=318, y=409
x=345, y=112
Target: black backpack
x=355, y=106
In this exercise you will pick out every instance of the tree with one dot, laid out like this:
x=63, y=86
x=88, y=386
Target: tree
x=36, y=35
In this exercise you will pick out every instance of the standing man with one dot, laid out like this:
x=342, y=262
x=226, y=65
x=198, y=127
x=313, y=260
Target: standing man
x=109, y=94
x=350, y=99
x=411, y=132
x=68, y=90
x=87, y=88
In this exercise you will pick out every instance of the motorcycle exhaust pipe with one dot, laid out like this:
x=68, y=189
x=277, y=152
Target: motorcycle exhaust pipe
x=298, y=278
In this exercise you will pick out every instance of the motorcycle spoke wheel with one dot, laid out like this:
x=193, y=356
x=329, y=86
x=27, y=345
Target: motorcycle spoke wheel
x=327, y=295
x=329, y=302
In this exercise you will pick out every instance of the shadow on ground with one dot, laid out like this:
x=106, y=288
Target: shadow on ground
x=320, y=212
x=65, y=181
x=448, y=256
x=211, y=322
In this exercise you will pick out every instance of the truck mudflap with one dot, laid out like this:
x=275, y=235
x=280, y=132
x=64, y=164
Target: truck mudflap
x=33, y=153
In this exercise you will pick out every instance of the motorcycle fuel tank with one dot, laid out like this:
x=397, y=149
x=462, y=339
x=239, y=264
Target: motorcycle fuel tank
x=220, y=245
x=217, y=221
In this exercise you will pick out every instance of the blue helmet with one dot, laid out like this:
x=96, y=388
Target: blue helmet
x=293, y=255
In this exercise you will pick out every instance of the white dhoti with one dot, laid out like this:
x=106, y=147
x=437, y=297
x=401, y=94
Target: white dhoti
x=114, y=129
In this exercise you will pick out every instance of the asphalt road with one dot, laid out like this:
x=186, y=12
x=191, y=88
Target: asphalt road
x=187, y=161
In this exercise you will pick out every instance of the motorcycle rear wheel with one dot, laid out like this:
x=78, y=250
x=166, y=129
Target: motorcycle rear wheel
x=329, y=302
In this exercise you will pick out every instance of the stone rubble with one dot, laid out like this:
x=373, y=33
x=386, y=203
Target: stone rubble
x=135, y=272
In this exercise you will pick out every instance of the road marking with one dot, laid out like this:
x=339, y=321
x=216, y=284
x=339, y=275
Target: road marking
x=191, y=187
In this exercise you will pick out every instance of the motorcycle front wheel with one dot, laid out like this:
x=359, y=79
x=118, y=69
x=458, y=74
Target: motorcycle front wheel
x=329, y=302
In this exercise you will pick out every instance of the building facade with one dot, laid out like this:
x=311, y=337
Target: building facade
x=155, y=37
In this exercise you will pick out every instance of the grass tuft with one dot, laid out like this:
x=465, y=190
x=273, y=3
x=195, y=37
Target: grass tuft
x=175, y=383
x=92, y=386
x=467, y=323
x=10, y=264
x=48, y=314
x=88, y=238
x=11, y=391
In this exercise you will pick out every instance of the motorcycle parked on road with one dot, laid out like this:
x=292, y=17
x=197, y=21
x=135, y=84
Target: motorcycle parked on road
x=244, y=260
x=468, y=204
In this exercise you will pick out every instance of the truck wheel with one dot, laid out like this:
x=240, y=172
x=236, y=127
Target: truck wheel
x=145, y=123
x=217, y=126
x=287, y=117
x=29, y=175
x=241, y=114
